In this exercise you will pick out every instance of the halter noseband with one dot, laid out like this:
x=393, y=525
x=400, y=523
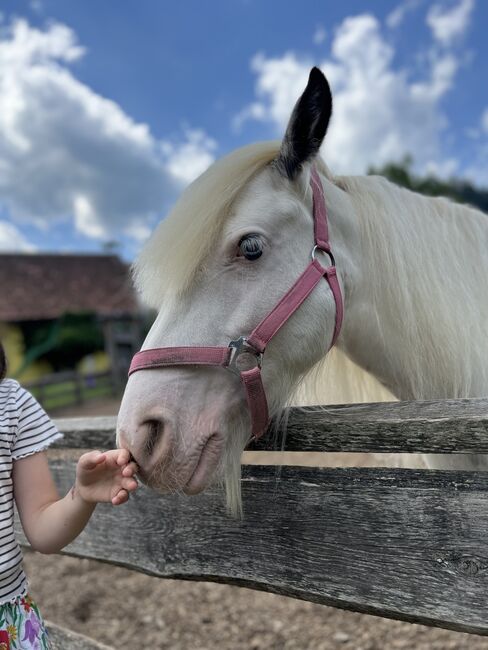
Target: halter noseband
x=254, y=345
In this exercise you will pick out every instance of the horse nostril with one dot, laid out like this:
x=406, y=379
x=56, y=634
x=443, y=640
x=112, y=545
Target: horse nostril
x=155, y=429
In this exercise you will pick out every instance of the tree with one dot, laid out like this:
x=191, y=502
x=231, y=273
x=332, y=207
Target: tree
x=62, y=342
x=457, y=189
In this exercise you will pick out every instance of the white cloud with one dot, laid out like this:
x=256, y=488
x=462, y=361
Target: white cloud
x=449, y=23
x=139, y=231
x=396, y=17
x=65, y=151
x=187, y=160
x=484, y=121
x=279, y=82
x=12, y=240
x=444, y=169
x=86, y=218
x=320, y=35
x=36, y=6
x=380, y=114
x=255, y=111
x=443, y=69
x=477, y=169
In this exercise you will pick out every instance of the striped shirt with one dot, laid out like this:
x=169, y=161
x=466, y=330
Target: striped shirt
x=25, y=429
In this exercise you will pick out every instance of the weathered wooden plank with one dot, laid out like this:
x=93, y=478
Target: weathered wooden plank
x=63, y=639
x=443, y=426
x=87, y=433
x=399, y=543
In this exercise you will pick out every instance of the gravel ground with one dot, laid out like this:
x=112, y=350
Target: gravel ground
x=128, y=610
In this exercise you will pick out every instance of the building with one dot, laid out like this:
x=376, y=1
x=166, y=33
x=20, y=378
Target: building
x=38, y=290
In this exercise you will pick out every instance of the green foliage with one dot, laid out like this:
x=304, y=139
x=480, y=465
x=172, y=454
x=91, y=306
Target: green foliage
x=64, y=342
x=459, y=190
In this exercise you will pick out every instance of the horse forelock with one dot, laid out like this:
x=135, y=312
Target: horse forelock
x=183, y=241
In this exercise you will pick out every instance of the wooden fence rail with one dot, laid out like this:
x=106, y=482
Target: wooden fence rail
x=392, y=427
x=400, y=543
x=71, y=387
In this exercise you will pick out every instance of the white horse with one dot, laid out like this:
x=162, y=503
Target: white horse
x=412, y=272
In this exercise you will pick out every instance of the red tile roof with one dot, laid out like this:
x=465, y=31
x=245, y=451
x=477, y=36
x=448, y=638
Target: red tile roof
x=36, y=287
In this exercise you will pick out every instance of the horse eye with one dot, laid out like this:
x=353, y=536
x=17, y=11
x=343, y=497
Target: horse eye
x=250, y=246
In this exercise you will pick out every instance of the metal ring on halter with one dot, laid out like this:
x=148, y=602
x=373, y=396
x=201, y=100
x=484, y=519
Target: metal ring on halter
x=322, y=250
x=241, y=346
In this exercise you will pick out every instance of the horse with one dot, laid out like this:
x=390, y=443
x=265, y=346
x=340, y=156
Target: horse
x=411, y=280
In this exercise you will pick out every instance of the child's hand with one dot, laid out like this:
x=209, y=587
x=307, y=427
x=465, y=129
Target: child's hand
x=107, y=476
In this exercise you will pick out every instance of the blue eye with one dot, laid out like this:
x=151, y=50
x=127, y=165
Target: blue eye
x=250, y=246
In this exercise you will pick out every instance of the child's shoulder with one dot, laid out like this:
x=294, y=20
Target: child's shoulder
x=9, y=388
x=11, y=393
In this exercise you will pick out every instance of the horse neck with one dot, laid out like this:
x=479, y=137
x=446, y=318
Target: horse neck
x=416, y=302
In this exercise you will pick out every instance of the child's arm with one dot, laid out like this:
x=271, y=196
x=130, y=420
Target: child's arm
x=50, y=523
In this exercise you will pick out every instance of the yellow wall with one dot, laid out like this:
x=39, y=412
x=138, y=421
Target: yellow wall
x=95, y=362
x=13, y=342
x=14, y=345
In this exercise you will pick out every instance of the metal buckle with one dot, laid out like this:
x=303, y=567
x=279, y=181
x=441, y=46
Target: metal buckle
x=322, y=250
x=240, y=347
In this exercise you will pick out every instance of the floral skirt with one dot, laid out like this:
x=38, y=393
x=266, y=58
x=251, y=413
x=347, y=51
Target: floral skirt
x=21, y=626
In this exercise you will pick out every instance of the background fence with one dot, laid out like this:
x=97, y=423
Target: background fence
x=70, y=387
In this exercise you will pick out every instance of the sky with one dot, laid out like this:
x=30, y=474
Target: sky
x=109, y=109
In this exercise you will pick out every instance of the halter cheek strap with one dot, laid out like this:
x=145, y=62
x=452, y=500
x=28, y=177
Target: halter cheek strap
x=235, y=357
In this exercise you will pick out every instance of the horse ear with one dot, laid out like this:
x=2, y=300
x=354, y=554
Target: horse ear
x=307, y=126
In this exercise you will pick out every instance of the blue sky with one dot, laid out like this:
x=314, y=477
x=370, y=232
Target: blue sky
x=108, y=109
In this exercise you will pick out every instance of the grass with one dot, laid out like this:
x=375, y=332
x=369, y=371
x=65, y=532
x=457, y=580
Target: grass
x=70, y=392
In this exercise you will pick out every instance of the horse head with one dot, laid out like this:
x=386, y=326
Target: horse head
x=236, y=241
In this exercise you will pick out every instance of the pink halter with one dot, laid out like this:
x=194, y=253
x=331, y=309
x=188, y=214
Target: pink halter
x=254, y=345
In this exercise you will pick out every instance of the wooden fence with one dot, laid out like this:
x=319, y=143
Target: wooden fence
x=400, y=543
x=70, y=387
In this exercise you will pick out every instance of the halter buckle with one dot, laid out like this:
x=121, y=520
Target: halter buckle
x=317, y=249
x=240, y=347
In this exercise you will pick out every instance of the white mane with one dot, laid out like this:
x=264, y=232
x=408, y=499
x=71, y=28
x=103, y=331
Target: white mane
x=419, y=252
x=426, y=264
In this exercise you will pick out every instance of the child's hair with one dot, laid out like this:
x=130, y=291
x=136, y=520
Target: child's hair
x=3, y=363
